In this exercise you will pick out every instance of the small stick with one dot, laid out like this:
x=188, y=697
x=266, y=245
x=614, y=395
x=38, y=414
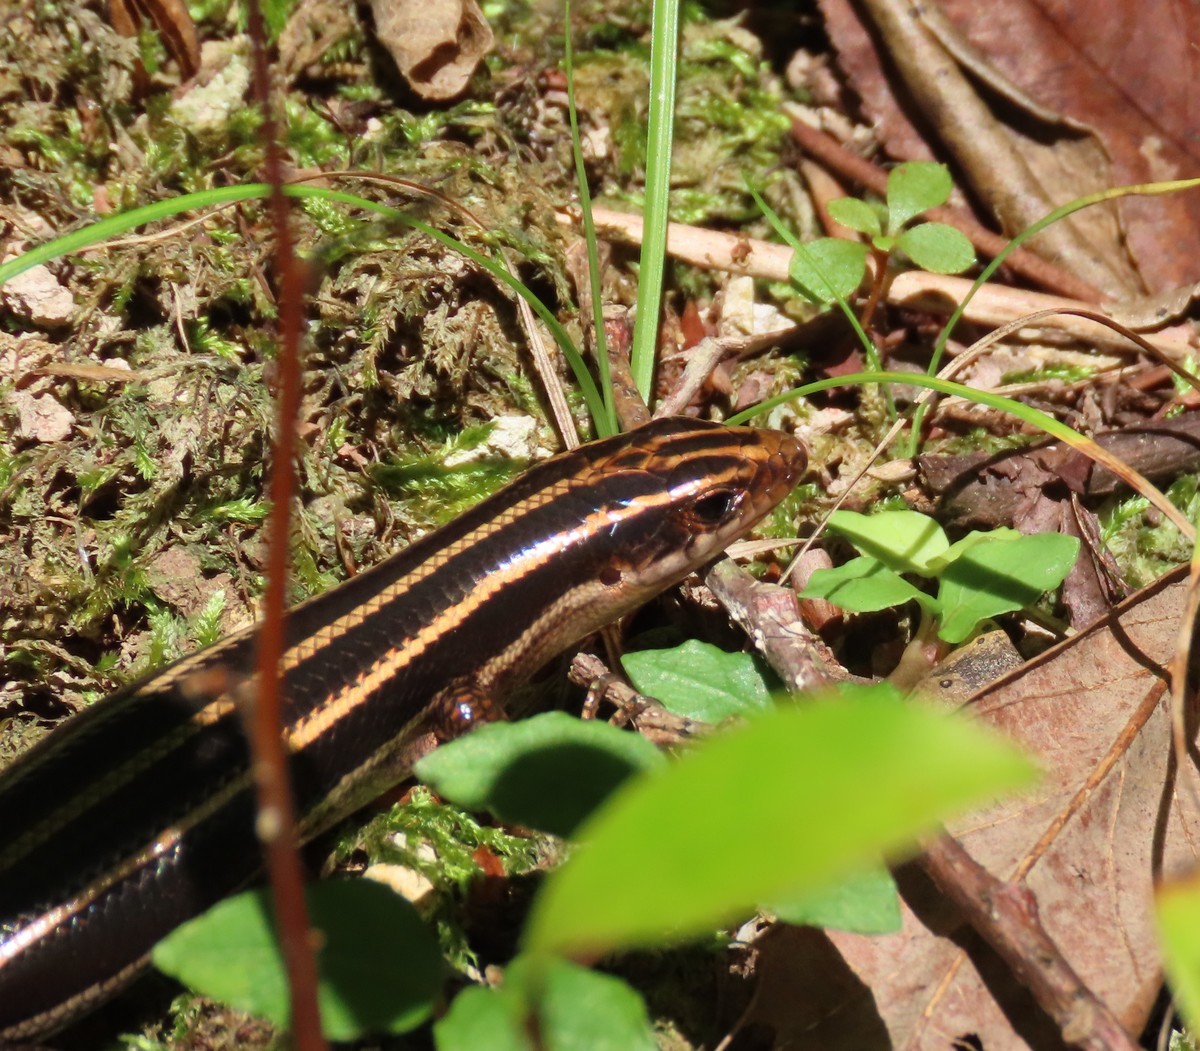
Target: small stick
x=1005, y=915
x=653, y=721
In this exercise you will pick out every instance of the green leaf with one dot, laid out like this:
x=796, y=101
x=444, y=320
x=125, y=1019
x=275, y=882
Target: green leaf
x=938, y=248
x=1178, y=905
x=380, y=965
x=864, y=585
x=1000, y=576
x=568, y=1006
x=856, y=214
x=699, y=681
x=915, y=187
x=483, y=1017
x=829, y=268
x=579, y=1008
x=863, y=902
x=777, y=807
x=905, y=541
x=549, y=772
x=973, y=538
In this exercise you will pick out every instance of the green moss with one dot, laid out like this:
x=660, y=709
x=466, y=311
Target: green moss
x=1061, y=374
x=436, y=492
x=444, y=845
x=1144, y=545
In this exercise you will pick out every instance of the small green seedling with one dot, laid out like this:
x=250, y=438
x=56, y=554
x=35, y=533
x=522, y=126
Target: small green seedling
x=831, y=268
x=982, y=575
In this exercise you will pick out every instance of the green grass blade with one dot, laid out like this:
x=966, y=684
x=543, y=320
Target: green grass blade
x=114, y=225
x=603, y=369
x=664, y=49
x=1153, y=189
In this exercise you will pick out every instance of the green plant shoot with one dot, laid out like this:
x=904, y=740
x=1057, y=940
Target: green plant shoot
x=981, y=576
x=829, y=267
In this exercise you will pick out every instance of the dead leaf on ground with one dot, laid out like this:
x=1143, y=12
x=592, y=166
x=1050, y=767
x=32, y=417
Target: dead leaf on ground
x=984, y=490
x=1110, y=817
x=41, y=418
x=435, y=45
x=1124, y=112
x=37, y=296
x=172, y=20
x=313, y=27
x=1131, y=74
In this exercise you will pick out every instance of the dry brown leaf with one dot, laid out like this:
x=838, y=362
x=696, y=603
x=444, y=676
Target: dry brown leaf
x=435, y=45
x=1084, y=63
x=313, y=27
x=985, y=490
x=1019, y=165
x=1129, y=73
x=41, y=418
x=1109, y=817
x=172, y=20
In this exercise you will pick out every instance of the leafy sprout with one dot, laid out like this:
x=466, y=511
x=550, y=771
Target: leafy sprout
x=830, y=267
x=983, y=575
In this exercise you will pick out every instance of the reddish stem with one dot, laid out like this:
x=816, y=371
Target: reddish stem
x=276, y=810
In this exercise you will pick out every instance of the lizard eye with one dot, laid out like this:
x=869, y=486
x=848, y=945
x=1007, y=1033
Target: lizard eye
x=714, y=506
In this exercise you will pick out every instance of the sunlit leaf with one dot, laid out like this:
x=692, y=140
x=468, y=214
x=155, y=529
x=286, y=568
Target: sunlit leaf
x=549, y=772
x=865, y=902
x=569, y=1007
x=915, y=187
x=381, y=969
x=906, y=541
x=864, y=585
x=938, y=248
x=699, y=681
x=780, y=806
x=856, y=214
x=829, y=268
x=997, y=577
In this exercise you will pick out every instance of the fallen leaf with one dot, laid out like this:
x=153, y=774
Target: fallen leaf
x=172, y=20
x=1100, y=97
x=41, y=418
x=435, y=45
x=1110, y=817
x=1132, y=76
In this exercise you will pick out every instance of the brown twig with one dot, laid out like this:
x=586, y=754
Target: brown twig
x=653, y=721
x=276, y=822
x=704, y=357
x=914, y=289
x=770, y=615
x=1005, y=915
x=1021, y=261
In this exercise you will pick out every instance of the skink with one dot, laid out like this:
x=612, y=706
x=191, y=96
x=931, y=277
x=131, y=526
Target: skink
x=139, y=813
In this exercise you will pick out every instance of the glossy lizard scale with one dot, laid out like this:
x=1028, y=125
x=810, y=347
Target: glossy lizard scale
x=138, y=813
